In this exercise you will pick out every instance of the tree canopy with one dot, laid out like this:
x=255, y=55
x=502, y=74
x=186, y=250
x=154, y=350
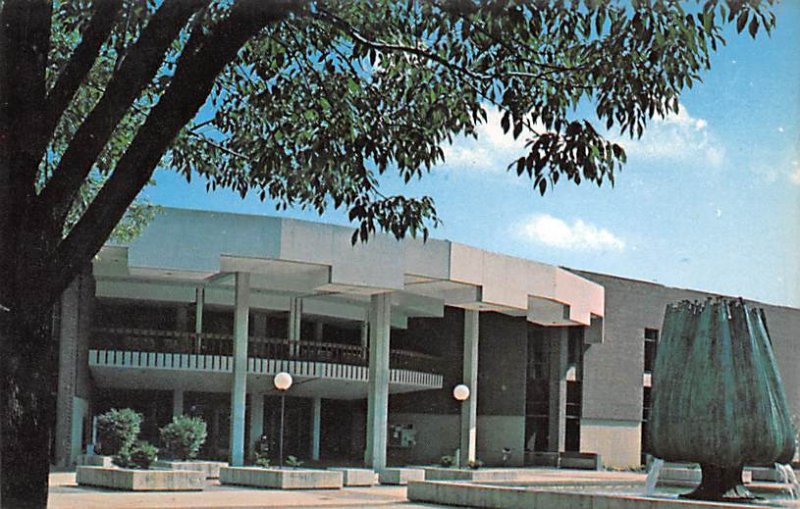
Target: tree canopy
x=307, y=103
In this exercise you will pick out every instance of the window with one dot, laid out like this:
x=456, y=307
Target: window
x=650, y=347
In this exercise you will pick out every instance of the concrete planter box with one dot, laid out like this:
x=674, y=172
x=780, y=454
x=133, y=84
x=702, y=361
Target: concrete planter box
x=673, y=476
x=542, y=459
x=210, y=469
x=580, y=460
x=282, y=479
x=468, y=474
x=140, y=480
x=400, y=476
x=356, y=476
x=95, y=460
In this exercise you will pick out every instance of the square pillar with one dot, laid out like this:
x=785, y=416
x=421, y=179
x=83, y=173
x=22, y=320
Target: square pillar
x=557, y=425
x=316, y=425
x=239, y=385
x=256, y=422
x=469, y=407
x=295, y=318
x=199, y=302
x=177, y=402
x=378, y=388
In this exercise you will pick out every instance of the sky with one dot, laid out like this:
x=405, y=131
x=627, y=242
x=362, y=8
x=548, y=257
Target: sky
x=709, y=198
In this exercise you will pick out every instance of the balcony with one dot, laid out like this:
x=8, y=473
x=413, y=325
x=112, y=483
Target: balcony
x=153, y=358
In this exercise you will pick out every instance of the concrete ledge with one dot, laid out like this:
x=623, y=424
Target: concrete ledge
x=95, y=460
x=140, y=480
x=765, y=474
x=690, y=477
x=356, y=476
x=283, y=479
x=580, y=460
x=481, y=474
x=542, y=459
x=400, y=476
x=502, y=497
x=210, y=469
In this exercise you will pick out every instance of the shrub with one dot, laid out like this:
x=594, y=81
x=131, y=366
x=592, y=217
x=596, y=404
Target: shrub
x=262, y=460
x=447, y=461
x=117, y=430
x=475, y=465
x=139, y=455
x=183, y=437
x=293, y=462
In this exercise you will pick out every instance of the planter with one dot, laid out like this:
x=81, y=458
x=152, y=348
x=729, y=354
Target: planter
x=401, y=476
x=282, y=479
x=95, y=460
x=356, y=476
x=140, y=480
x=468, y=474
x=210, y=469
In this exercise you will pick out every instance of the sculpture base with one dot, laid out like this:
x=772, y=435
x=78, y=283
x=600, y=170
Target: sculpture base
x=721, y=484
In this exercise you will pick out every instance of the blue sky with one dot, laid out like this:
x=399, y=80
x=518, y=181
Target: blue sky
x=709, y=199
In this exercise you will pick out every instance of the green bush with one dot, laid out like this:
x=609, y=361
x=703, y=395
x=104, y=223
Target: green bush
x=139, y=455
x=117, y=430
x=183, y=437
x=293, y=462
x=262, y=460
x=447, y=461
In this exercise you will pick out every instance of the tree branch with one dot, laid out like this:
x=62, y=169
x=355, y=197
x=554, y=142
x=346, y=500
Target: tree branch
x=79, y=65
x=203, y=58
x=135, y=73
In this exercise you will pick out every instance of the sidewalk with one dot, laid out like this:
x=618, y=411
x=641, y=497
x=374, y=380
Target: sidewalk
x=66, y=494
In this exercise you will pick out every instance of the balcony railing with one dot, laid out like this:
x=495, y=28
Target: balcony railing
x=163, y=341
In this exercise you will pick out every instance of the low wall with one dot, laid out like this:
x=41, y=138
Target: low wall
x=496, y=497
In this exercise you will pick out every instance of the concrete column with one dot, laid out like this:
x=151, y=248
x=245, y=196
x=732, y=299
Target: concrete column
x=177, y=402
x=316, y=429
x=318, y=332
x=378, y=389
x=365, y=337
x=469, y=408
x=557, y=425
x=295, y=318
x=256, y=422
x=239, y=386
x=67, y=372
x=199, y=301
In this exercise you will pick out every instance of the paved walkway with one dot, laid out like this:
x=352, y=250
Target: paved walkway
x=66, y=494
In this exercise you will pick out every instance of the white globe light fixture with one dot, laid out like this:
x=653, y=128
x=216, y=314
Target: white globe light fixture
x=461, y=392
x=282, y=381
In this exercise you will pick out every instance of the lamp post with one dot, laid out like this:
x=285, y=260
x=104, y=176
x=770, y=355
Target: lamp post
x=461, y=394
x=282, y=382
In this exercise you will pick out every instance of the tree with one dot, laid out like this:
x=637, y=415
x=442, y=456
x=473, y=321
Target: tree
x=305, y=103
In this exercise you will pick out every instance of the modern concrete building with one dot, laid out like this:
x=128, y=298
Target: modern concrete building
x=200, y=313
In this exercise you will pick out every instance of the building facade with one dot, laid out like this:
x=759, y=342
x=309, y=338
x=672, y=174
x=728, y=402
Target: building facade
x=199, y=313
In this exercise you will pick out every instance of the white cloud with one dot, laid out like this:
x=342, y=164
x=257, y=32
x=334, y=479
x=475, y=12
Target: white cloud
x=493, y=151
x=794, y=173
x=578, y=236
x=679, y=137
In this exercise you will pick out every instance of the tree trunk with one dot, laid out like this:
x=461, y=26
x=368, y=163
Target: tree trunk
x=27, y=406
x=721, y=484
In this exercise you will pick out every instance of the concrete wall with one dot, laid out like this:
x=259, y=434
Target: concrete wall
x=617, y=442
x=74, y=382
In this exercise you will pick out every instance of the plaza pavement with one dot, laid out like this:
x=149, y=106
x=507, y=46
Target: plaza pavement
x=66, y=494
